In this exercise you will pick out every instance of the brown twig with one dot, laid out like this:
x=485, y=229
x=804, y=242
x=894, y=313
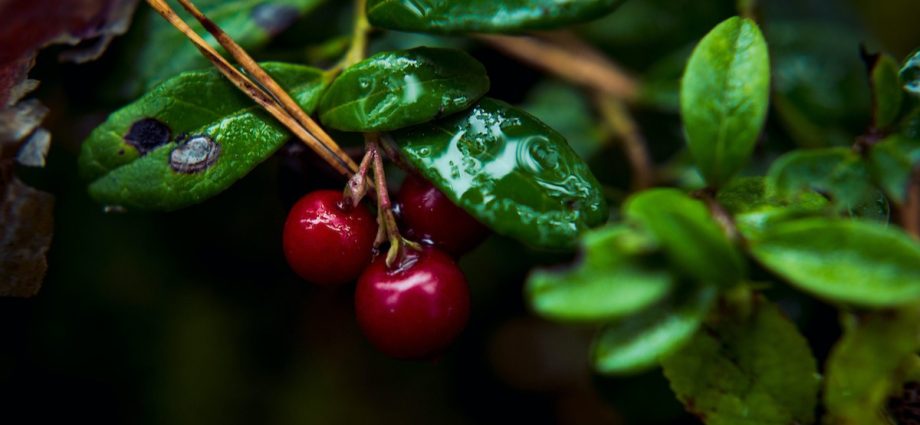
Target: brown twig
x=618, y=118
x=719, y=213
x=910, y=211
x=268, y=94
x=569, y=58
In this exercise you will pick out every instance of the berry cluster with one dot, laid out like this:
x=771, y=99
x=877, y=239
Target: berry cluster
x=415, y=306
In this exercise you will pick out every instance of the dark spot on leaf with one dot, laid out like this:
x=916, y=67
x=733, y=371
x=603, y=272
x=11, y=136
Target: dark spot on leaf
x=274, y=18
x=147, y=134
x=121, y=151
x=196, y=154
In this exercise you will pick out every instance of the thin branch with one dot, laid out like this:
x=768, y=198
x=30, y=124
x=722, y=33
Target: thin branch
x=618, y=118
x=358, y=48
x=719, y=213
x=570, y=59
x=271, y=85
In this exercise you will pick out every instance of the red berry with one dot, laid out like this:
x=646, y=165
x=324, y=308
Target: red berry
x=428, y=216
x=327, y=242
x=415, y=309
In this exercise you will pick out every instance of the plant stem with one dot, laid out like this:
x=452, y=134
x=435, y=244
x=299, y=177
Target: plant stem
x=719, y=213
x=358, y=48
x=386, y=220
x=569, y=58
x=621, y=122
x=910, y=211
x=357, y=185
x=747, y=8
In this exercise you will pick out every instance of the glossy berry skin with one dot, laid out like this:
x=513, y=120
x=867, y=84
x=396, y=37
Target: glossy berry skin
x=430, y=217
x=325, y=242
x=417, y=308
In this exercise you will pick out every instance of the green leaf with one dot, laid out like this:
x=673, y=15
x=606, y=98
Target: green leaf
x=607, y=283
x=393, y=90
x=755, y=208
x=165, y=52
x=566, y=110
x=891, y=162
x=848, y=261
x=188, y=139
x=510, y=171
x=886, y=91
x=451, y=16
x=689, y=235
x=753, y=369
x=910, y=74
x=867, y=365
x=724, y=97
x=639, y=342
x=837, y=173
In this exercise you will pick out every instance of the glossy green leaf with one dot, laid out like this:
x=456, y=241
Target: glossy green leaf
x=639, y=342
x=393, y=90
x=755, y=208
x=837, y=173
x=847, y=261
x=566, y=110
x=165, y=52
x=866, y=366
x=753, y=369
x=910, y=74
x=606, y=284
x=724, y=97
x=819, y=80
x=886, y=91
x=891, y=162
x=689, y=235
x=450, y=16
x=188, y=139
x=510, y=171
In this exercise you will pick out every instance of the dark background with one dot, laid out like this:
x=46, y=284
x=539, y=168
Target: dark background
x=193, y=317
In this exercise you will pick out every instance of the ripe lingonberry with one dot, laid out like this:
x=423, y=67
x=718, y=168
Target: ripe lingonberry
x=415, y=309
x=326, y=241
x=429, y=216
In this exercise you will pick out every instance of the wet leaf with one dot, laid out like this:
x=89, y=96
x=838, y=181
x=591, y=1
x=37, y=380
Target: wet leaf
x=606, y=284
x=188, y=139
x=566, y=110
x=724, y=97
x=846, y=261
x=639, y=342
x=26, y=227
x=755, y=208
x=866, y=365
x=891, y=162
x=686, y=231
x=510, y=171
x=164, y=52
x=837, y=173
x=910, y=74
x=753, y=369
x=449, y=16
x=886, y=91
x=393, y=90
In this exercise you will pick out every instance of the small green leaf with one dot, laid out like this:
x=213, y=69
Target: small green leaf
x=724, y=97
x=751, y=369
x=837, y=173
x=886, y=91
x=910, y=74
x=639, y=342
x=451, y=16
x=689, y=235
x=393, y=90
x=510, y=171
x=866, y=365
x=607, y=283
x=848, y=261
x=165, y=52
x=755, y=208
x=891, y=162
x=188, y=139
x=566, y=110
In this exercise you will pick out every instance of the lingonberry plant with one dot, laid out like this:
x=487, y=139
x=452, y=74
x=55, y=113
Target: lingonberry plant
x=769, y=184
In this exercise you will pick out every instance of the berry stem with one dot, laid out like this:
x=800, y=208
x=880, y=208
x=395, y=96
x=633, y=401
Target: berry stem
x=357, y=185
x=388, y=230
